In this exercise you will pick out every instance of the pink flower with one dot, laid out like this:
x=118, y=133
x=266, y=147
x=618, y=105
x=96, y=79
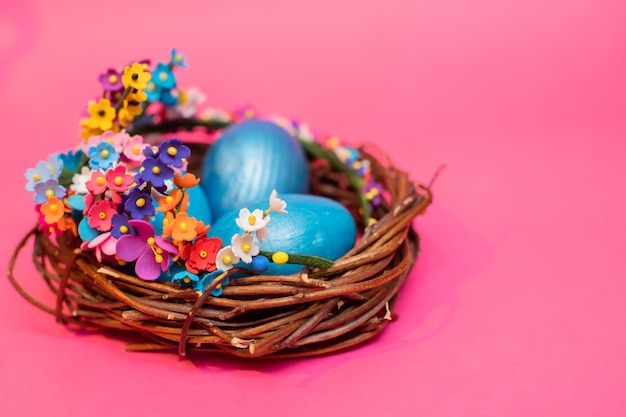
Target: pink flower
x=117, y=180
x=100, y=214
x=133, y=149
x=97, y=184
x=103, y=244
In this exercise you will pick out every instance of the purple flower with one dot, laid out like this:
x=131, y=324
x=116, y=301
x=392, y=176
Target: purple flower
x=139, y=204
x=373, y=192
x=47, y=189
x=152, y=252
x=155, y=171
x=111, y=80
x=121, y=226
x=173, y=152
x=38, y=174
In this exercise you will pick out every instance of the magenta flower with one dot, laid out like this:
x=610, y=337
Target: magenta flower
x=102, y=244
x=151, y=252
x=111, y=80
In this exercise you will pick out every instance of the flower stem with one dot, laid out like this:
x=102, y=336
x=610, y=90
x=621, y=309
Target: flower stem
x=120, y=103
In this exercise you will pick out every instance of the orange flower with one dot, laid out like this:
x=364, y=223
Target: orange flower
x=169, y=202
x=201, y=228
x=168, y=224
x=187, y=181
x=184, y=228
x=52, y=210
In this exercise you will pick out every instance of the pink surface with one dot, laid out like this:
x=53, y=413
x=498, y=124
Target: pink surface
x=516, y=307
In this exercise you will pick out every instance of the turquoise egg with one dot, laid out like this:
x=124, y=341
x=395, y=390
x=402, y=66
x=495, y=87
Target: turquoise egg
x=312, y=226
x=248, y=161
x=198, y=207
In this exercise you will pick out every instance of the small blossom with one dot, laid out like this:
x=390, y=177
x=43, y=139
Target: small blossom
x=117, y=180
x=186, y=181
x=40, y=173
x=177, y=59
x=216, y=115
x=184, y=228
x=120, y=226
x=251, y=222
x=169, y=202
x=53, y=210
x=97, y=184
x=173, y=152
x=163, y=77
x=103, y=156
x=104, y=243
x=48, y=189
x=111, y=80
x=135, y=76
x=72, y=159
x=133, y=149
x=128, y=112
x=185, y=276
x=101, y=115
x=226, y=258
x=152, y=253
x=188, y=102
x=139, y=204
x=201, y=255
x=276, y=204
x=153, y=93
x=99, y=215
x=136, y=97
x=79, y=181
x=262, y=233
x=155, y=171
x=243, y=247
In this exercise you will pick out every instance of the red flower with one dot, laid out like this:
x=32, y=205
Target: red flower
x=97, y=184
x=117, y=179
x=100, y=214
x=201, y=254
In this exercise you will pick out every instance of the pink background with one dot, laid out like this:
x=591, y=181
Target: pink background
x=517, y=305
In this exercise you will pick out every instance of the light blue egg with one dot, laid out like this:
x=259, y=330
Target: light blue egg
x=248, y=161
x=198, y=207
x=313, y=226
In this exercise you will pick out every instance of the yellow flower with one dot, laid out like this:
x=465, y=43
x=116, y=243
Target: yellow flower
x=86, y=132
x=101, y=115
x=128, y=112
x=137, y=95
x=135, y=76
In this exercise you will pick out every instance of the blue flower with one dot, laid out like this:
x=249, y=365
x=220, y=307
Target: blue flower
x=102, y=156
x=185, y=277
x=177, y=59
x=168, y=99
x=163, y=77
x=72, y=160
x=139, y=204
x=38, y=174
x=55, y=165
x=153, y=92
x=121, y=226
x=155, y=172
x=172, y=152
x=48, y=189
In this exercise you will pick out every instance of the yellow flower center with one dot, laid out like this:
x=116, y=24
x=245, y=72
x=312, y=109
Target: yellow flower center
x=182, y=97
x=178, y=58
x=252, y=219
x=50, y=193
x=158, y=258
x=102, y=215
x=356, y=165
x=169, y=199
x=163, y=76
x=156, y=170
x=171, y=151
x=112, y=78
x=159, y=250
x=123, y=229
x=151, y=87
x=248, y=113
x=36, y=177
x=53, y=207
x=104, y=153
x=135, y=150
x=203, y=254
x=280, y=257
x=118, y=180
x=186, y=280
x=245, y=247
x=100, y=181
x=140, y=202
x=151, y=241
x=51, y=229
x=227, y=260
x=183, y=227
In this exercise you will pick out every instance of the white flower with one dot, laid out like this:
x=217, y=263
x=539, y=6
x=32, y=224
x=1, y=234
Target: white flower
x=79, y=181
x=251, y=222
x=276, y=204
x=188, y=102
x=262, y=234
x=216, y=114
x=284, y=123
x=226, y=258
x=244, y=248
x=304, y=133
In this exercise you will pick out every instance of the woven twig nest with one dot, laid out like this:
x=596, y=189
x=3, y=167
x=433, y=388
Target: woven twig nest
x=310, y=313
x=82, y=197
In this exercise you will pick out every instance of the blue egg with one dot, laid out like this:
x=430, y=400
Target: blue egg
x=198, y=207
x=313, y=226
x=248, y=161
